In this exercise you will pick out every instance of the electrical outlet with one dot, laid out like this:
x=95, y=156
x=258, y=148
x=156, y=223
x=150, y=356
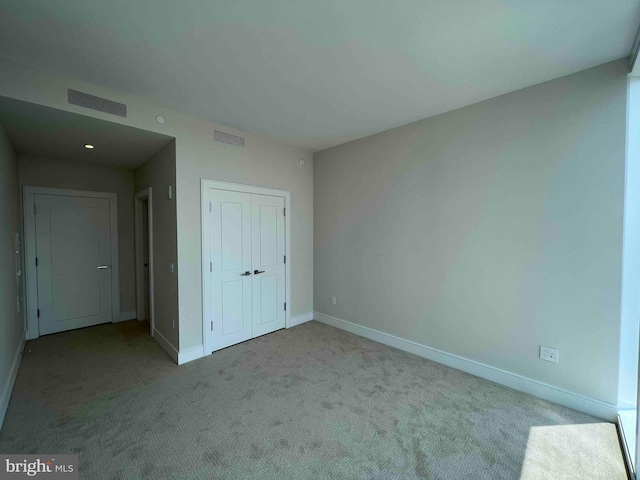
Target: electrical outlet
x=334, y=300
x=549, y=354
x=171, y=268
x=173, y=320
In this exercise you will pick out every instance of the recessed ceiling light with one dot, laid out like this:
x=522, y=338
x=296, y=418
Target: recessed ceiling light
x=88, y=146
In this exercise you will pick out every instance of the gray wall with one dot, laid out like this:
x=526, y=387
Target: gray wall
x=263, y=163
x=158, y=173
x=59, y=173
x=487, y=231
x=11, y=321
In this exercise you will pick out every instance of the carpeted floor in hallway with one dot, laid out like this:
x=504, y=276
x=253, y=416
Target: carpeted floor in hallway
x=308, y=402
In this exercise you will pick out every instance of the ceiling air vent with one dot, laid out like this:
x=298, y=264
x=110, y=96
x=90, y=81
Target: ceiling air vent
x=86, y=100
x=228, y=138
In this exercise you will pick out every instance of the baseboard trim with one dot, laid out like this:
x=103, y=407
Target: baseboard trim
x=542, y=390
x=190, y=354
x=130, y=315
x=298, y=319
x=11, y=380
x=166, y=345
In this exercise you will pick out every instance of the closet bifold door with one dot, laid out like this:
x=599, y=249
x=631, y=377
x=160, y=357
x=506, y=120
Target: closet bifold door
x=230, y=269
x=268, y=251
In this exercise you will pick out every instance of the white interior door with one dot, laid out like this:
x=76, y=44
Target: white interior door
x=268, y=285
x=73, y=262
x=230, y=267
x=247, y=279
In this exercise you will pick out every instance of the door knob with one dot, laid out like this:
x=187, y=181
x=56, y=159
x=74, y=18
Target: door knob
x=102, y=267
x=258, y=271
x=246, y=274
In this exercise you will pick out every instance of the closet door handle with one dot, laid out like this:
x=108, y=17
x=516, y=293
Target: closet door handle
x=258, y=271
x=246, y=274
x=102, y=267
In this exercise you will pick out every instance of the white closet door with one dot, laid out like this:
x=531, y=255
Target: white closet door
x=268, y=249
x=230, y=267
x=73, y=262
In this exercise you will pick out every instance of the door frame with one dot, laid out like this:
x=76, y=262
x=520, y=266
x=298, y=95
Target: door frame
x=31, y=274
x=205, y=185
x=144, y=194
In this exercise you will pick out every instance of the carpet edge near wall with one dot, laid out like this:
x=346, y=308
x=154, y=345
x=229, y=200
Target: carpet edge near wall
x=581, y=403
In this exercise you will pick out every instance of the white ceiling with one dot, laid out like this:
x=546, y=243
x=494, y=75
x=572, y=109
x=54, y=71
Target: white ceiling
x=316, y=73
x=47, y=132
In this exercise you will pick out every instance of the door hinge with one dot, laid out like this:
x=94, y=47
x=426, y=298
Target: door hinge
x=285, y=259
x=212, y=325
x=284, y=211
x=285, y=306
x=38, y=313
x=36, y=261
x=34, y=209
x=209, y=206
x=211, y=266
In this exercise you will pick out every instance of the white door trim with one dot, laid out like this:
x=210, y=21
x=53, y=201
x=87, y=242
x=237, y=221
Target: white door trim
x=31, y=276
x=205, y=185
x=143, y=194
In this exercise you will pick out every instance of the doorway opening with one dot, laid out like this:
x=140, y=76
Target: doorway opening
x=144, y=257
x=79, y=176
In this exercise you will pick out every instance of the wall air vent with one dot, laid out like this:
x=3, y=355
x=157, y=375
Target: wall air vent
x=86, y=100
x=228, y=138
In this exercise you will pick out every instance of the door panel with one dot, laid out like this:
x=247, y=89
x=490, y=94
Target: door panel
x=268, y=250
x=230, y=254
x=232, y=306
x=232, y=246
x=72, y=240
x=268, y=235
x=268, y=308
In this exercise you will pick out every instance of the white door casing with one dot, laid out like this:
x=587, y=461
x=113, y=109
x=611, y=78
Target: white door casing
x=268, y=243
x=64, y=267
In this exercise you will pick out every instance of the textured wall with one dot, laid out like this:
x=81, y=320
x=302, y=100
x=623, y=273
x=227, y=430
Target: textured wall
x=487, y=231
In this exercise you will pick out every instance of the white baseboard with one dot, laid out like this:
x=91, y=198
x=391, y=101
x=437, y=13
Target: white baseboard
x=190, y=354
x=7, y=388
x=542, y=390
x=298, y=319
x=166, y=345
x=124, y=316
x=180, y=358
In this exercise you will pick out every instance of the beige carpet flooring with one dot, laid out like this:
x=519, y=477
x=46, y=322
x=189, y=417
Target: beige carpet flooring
x=308, y=402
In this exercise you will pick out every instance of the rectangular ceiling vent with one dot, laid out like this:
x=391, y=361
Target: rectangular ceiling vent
x=228, y=138
x=86, y=100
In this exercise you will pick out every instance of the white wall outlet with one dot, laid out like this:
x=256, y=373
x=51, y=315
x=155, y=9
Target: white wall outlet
x=549, y=354
x=173, y=320
x=334, y=300
x=171, y=268
x=170, y=192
